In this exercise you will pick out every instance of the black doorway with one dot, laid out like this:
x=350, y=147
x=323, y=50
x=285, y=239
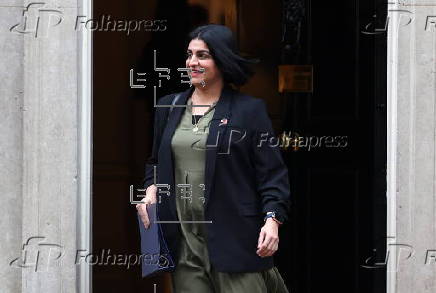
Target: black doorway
x=339, y=172
x=339, y=212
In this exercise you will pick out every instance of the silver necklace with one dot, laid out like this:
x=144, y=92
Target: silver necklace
x=195, y=128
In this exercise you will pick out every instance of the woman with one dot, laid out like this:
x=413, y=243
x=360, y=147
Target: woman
x=228, y=188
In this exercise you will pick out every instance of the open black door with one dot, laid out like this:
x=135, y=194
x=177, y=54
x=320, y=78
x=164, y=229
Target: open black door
x=338, y=170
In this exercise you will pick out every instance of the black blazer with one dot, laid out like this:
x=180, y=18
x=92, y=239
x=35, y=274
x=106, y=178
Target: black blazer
x=245, y=177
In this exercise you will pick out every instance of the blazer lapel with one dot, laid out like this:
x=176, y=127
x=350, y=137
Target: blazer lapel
x=215, y=138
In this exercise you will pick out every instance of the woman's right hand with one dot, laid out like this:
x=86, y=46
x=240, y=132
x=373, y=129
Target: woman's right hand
x=150, y=197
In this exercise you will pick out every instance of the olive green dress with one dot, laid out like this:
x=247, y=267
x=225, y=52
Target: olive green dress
x=193, y=270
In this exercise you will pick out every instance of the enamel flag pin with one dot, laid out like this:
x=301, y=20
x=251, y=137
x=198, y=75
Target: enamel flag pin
x=223, y=121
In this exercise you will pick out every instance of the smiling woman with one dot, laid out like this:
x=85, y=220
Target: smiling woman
x=244, y=189
x=216, y=43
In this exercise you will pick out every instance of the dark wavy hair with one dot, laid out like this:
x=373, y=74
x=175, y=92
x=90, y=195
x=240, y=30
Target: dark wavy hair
x=224, y=50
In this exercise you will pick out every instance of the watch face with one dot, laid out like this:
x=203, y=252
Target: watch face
x=275, y=215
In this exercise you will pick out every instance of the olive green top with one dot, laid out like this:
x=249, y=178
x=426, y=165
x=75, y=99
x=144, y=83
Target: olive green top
x=189, y=150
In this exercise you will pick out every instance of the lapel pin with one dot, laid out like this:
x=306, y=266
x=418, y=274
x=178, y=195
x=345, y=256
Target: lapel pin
x=223, y=121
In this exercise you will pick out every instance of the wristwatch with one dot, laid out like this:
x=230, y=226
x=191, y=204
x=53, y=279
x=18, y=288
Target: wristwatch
x=276, y=217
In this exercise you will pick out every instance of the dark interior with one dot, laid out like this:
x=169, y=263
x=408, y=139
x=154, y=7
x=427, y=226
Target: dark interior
x=338, y=217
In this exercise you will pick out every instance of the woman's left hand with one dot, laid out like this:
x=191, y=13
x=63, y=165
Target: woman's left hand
x=268, y=242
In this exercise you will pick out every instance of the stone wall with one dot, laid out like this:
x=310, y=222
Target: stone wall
x=412, y=143
x=39, y=150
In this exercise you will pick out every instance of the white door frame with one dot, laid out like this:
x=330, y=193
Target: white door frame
x=84, y=204
x=391, y=160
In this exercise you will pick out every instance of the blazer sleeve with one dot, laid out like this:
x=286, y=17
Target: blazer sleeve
x=160, y=115
x=272, y=178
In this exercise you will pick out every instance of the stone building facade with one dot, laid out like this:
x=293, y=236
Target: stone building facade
x=46, y=144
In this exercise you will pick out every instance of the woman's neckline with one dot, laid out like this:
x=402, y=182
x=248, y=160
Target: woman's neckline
x=189, y=103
